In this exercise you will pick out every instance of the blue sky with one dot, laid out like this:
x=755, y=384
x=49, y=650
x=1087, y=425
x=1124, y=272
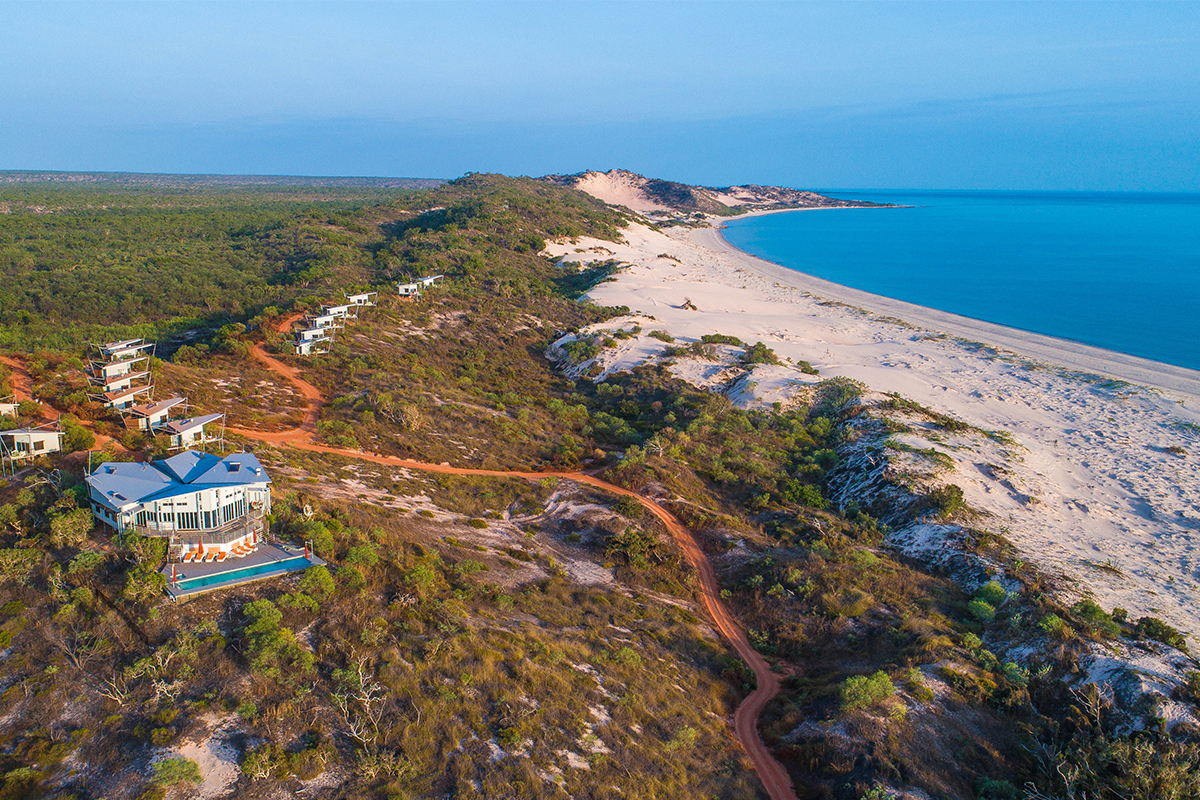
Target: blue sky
x=959, y=95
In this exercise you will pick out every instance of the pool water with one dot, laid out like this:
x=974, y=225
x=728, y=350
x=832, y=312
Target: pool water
x=273, y=567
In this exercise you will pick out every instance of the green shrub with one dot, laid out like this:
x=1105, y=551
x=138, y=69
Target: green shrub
x=759, y=354
x=1054, y=625
x=362, y=555
x=317, y=582
x=720, y=338
x=1159, y=631
x=981, y=611
x=662, y=336
x=85, y=561
x=478, y=524
x=946, y=500
x=171, y=771
x=351, y=577
x=1095, y=619
x=992, y=593
x=864, y=691
x=629, y=507
x=996, y=789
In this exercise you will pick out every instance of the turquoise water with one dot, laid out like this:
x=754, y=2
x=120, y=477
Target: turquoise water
x=286, y=565
x=1119, y=271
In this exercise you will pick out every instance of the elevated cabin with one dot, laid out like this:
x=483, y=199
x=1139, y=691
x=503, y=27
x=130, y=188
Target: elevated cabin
x=125, y=350
x=103, y=372
x=149, y=416
x=363, y=299
x=313, y=347
x=343, y=311
x=208, y=508
x=430, y=281
x=408, y=289
x=26, y=444
x=9, y=406
x=312, y=334
x=116, y=383
x=325, y=321
x=125, y=398
x=192, y=431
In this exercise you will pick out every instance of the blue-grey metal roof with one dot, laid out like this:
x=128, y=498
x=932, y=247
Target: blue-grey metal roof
x=122, y=483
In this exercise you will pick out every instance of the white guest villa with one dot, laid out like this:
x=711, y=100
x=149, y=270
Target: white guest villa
x=209, y=508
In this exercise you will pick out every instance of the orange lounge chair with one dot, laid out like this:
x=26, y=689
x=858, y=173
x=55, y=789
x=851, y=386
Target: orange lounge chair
x=221, y=556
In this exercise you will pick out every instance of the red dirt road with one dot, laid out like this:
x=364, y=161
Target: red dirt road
x=22, y=386
x=745, y=720
x=774, y=777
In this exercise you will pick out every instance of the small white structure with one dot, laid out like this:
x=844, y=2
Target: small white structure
x=9, y=406
x=190, y=432
x=149, y=416
x=325, y=321
x=125, y=398
x=408, y=289
x=430, y=281
x=344, y=311
x=363, y=299
x=208, y=508
x=125, y=349
x=25, y=444
x=116, y=383
x=313, y=347
x=121, y=366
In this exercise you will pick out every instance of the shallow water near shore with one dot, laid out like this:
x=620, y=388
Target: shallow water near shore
x=1118, y=271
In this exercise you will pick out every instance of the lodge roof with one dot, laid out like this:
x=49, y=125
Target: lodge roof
x=123, y=483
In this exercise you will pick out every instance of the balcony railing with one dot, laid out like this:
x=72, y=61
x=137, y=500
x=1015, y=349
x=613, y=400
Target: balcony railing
x=229, y=532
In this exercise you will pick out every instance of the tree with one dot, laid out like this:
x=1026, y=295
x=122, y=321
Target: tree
x=71, y=528
x=317, y=582
x=77, y=437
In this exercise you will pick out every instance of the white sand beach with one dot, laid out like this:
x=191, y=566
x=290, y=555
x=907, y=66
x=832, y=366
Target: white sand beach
x=1102, y=485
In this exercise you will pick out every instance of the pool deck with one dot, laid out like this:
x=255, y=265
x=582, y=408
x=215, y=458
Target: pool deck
x=264, y=555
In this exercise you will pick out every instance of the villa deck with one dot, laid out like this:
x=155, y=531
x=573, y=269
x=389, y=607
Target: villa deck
x=268, y=561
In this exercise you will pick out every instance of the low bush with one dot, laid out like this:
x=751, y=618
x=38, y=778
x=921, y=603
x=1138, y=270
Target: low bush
x=864, y=691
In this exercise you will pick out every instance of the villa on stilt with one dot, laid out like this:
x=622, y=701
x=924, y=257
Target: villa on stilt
x=317, y=331
x=362, y=299
x=121, y=372
x=25, y=444
x=208, y=508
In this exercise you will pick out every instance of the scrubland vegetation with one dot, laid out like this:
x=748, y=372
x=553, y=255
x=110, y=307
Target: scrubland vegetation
x=452, y=648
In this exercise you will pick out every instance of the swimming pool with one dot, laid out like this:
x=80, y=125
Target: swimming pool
x=186, y=585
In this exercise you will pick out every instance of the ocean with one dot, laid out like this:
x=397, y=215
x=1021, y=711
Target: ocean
x=1114, y=270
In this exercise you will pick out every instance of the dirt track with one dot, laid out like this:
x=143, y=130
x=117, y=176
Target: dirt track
x=745, y=720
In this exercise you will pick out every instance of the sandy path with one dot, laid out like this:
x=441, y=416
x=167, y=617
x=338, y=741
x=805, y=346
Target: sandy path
x=745, y=720
x=22, y=386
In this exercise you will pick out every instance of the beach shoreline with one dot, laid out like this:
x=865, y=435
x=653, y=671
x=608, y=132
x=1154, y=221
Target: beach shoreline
x=1055, y=351
x=1090, y=476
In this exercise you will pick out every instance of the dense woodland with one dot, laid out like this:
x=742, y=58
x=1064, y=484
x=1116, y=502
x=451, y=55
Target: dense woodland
x=461, y=643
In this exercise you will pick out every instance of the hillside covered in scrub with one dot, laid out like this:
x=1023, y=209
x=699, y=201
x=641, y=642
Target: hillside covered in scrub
x=502, y=637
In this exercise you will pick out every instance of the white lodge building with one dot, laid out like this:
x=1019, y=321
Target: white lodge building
x=209, y=508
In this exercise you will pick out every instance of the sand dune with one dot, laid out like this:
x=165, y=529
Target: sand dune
x=1101, y=481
